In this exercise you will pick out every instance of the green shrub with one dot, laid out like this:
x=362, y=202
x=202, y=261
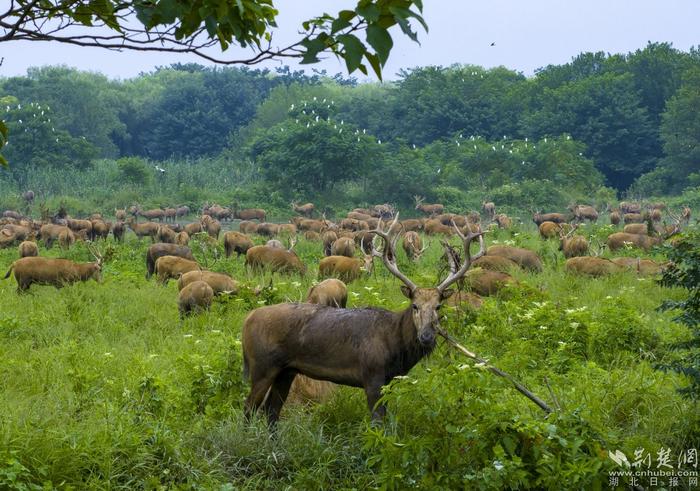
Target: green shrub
x=135, y=171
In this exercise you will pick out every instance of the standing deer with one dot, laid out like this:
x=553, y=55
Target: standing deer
x=489, y=209
x=363, y=348
x=306, y=210
x=430, y=210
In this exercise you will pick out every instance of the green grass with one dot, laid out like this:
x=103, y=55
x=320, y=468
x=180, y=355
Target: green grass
x=104, y=386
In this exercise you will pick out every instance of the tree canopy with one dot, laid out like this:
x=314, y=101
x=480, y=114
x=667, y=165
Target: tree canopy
x=624, y=121
x=199, y=28
x=196, y=27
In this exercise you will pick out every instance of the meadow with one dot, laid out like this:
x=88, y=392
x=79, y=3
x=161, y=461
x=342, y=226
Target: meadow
x=104, y=386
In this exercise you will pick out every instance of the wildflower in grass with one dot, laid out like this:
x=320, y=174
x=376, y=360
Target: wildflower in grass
x=187, y=336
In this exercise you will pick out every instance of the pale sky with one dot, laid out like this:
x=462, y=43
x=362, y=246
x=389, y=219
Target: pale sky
x=527, y=35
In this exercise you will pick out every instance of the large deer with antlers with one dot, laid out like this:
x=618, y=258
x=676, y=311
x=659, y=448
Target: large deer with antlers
x=54, y=272
x=363, y=348
x=429, y=210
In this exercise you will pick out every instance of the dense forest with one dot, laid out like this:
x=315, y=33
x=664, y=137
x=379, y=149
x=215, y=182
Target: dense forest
x=598, y=126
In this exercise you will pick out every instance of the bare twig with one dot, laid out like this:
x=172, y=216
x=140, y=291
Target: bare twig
x=552, y=394
x=520, y=387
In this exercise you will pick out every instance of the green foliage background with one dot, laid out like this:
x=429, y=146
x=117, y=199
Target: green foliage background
x=104, y=386
x=630, y=120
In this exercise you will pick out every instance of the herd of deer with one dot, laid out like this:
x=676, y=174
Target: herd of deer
x=286, y=346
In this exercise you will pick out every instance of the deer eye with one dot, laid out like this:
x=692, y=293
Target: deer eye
x=415, y=307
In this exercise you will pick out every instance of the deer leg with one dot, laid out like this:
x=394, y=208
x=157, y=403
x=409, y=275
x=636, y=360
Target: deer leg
x=23, y=286
x=258, y=390
x=278, y=394
x=374, y=392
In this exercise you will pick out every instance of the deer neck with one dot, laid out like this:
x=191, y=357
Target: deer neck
x=408, y=350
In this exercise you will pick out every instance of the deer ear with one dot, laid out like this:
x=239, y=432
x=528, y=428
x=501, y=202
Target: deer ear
x=447, y=293
x=406, y=291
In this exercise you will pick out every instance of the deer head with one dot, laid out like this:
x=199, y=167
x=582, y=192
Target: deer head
x=426, y=302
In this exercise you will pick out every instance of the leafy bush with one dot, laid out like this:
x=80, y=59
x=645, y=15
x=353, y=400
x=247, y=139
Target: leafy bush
x=455, y=438
x=135, y=171
x=684, y=272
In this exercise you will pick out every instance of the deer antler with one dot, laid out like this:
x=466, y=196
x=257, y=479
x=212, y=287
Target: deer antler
x=388, y=255
x=456, y=274
x=600, y=247
x=570, y=233
x=427, y=244
x=95, y=253
x=674, y=217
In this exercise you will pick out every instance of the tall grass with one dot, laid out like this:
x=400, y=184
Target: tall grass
x=104, y=386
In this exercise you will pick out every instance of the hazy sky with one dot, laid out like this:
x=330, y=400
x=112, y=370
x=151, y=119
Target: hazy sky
x=527, y=35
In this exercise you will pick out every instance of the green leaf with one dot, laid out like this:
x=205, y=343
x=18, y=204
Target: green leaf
x=380, y=40
x=83, y=14
x=347, y=15
x=210, y=23
x=406, y=28
x=375, y=63
x=313, y=48
x=338, y=25
x=354, y=51
x=370, y=12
